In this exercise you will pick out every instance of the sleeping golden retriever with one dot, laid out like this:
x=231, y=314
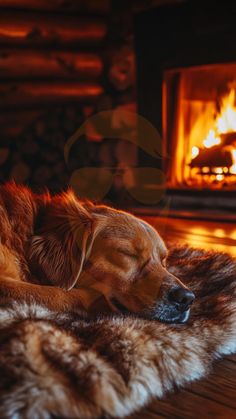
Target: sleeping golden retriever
x=75, y=256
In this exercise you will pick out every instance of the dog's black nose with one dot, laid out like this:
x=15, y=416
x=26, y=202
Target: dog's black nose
x=181, y=296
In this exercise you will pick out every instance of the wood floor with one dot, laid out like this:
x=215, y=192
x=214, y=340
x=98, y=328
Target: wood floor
x=197, y=233
x=215, y=396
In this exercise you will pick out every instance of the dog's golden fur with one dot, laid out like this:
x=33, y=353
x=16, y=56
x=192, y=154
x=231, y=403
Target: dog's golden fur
x=62, y=366
x=60, y=260
x=75, y=256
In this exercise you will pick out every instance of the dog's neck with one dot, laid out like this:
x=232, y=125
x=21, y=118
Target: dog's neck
x=17, y=215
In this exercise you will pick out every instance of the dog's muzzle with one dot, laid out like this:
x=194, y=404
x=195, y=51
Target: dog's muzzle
x=175, y=307
x=182, y=297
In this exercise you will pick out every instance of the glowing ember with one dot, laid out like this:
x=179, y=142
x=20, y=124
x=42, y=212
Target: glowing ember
x=218, y=170
x=195, y=152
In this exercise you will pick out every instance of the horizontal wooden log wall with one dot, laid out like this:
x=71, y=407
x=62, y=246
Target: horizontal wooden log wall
x=50, y=53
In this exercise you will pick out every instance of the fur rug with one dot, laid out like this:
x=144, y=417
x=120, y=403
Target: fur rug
x=62, y=366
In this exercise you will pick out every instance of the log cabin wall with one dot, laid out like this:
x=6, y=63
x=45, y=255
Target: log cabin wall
x=60, y=62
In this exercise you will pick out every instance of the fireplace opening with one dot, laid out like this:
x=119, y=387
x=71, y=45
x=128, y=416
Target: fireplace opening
x=186, y=87
x=199, y=127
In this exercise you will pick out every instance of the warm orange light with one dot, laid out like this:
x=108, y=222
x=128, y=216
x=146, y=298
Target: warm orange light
x=224, y=123
x=218, y=170
x=195, y=152
x=202, y=128
x=211, y=139
x=232, y=169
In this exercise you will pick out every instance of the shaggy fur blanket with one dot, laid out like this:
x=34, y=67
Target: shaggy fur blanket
x=54, y=365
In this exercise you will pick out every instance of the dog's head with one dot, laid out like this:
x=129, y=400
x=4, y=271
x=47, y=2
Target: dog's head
x=120, y=257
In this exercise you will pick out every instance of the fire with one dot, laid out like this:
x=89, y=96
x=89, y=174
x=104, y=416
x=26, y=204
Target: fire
x=225, y=123
x=199, y=126
x=233, y=167
x=195, y=152
x=211, y=139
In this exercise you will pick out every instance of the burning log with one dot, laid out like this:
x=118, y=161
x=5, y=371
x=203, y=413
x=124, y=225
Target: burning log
x=216, y=156
x=228, y=138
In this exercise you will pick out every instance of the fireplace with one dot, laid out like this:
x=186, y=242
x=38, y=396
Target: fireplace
x=186, y=87
x=199, y=127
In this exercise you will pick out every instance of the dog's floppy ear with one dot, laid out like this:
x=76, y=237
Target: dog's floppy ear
x=62, y=241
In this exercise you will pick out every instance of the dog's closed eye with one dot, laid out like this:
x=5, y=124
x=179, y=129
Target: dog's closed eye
x=127, y=253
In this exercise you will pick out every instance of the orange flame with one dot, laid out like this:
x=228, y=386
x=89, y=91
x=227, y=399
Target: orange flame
x=224, y=123
x=232, y=169
x=203, y=127
x=211, y=139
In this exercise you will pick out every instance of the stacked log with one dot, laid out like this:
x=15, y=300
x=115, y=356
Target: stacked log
x=51, y=69
x=21, y=28
x=37, y=157
x=47, y=47
x=43, y=64
x=88, y=6
x=47, y=93
x=51, y=79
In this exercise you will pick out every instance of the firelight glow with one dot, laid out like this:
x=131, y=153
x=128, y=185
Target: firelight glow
x=224, y=123
x=211, y=139
x=232, y=169
x=195, y=152
x=203, y=126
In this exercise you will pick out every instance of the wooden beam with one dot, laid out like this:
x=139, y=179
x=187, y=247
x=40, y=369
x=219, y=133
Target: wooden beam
x=28, y=28
x=27, y=93
x=96, y=6
x=46, y=64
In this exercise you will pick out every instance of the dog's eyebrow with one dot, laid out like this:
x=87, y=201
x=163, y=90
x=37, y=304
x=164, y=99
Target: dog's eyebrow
x=121, y=232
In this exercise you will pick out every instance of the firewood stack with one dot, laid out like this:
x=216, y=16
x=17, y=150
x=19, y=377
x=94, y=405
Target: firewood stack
x=60, y=62
x=51, y=70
